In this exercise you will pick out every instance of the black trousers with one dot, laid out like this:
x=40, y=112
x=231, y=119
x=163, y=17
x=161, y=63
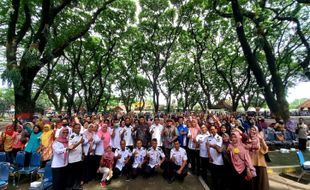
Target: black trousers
x=59, y=178
x=194, y=160
x=302, y=144
x=125, y=170
x=217, y=173
x=172, y=171
x=75, y=177
x=28, y=156
x=204, y=167
x=239, y=182
x=88, y=165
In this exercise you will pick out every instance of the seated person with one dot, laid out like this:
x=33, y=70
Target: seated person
x=139, y=160
x=106, y=166
x=155, y=157
x=122, y=157
x=177, y=167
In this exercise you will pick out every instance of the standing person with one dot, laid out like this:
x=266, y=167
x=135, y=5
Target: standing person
x=139, y=160
x=60, y=160
x=258, y=148
x=106, y=166
x=177, y=168
x=302, y=132
x=182, y=132
x=127, y=133
x=123, y=164
x=75, y=165
x=47, y=139
x=18, y=144
x=99, y=150
x=116, y=135
x=202, y=140
x=169, y=135
x=33, y=143
x=142, y=132
x=104, y=134
x=243, y=169
x=8, y=138
x=215, y=158
x=193, y=146
x=155, y=157
x=156, y=131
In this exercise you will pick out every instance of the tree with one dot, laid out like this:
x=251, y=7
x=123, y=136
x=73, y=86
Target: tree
x=36, y=33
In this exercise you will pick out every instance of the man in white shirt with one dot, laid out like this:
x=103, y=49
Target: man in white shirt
x=215, y=157
x=122, y=156
x=177, y=167
x=127, y=133
x=139, y=160
x=75, y=157
x=202, y=140
x=155, y=157
x=156, y=130
x=115, y=132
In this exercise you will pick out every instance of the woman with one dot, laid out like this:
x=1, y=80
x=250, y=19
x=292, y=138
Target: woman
x=243, y=169
x=258, y=147
x=18, y=144
x=8, y=138
x=33, y=143
x=47, y=139
x=106, y=166
x=193, y=146
x=60, y=160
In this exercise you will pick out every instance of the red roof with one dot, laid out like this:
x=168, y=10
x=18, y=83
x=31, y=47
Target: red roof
x=306, y=104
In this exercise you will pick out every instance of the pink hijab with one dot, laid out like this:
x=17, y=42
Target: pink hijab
x=106, y=135
x=254, y=140
x=240, y=157
x=61, y=138
x=195, y=130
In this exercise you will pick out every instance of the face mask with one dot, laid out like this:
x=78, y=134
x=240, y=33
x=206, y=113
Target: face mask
x=127, y=125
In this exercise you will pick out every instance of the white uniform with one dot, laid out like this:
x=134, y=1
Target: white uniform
x=155, y=156
x=75, y=155
x=179, y=155
x=157, y=130
x=127, y=135
x=217, y=157
x=60, y=159
x=116, y=140
x=202, y=139
x=139, y=155
x=120, y=163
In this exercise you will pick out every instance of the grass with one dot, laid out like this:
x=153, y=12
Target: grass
x=280, y=159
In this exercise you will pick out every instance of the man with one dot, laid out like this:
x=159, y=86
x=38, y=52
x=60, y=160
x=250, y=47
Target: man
x=75, y=158
x=142, y=132
x=156, y=130
x=156, y=157
x=127, y=132
x=182, y=132
x=202, y=140
x=215, y=158
x=139, y=160
x=302, y=132
x=115, y=132
x=177, y=167
x=169, y=135
x=122, y=157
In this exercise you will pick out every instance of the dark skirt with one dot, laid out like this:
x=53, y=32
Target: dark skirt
x=261, y=181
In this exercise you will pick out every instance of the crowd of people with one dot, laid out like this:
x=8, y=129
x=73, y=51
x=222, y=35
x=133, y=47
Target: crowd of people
x=230, y=147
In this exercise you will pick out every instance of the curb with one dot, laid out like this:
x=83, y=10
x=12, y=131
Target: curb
x=283, y=169
x=203, y=183
x=287, y=182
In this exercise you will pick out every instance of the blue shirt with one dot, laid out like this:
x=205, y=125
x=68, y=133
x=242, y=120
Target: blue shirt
x=182, y=138
x=34, y=141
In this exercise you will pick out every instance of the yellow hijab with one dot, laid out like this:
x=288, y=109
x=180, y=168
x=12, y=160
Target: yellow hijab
x=46, y=136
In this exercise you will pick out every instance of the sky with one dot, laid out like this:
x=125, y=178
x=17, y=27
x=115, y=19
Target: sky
x=301, y=90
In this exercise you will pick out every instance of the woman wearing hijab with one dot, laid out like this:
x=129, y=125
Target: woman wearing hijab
x=60, y=160
x=18, y=144
x=8, y=138
x=258, y=148
x=193, y=146
x=243, y=169
x=47, y=139
x=33, y=143
x=106, y=166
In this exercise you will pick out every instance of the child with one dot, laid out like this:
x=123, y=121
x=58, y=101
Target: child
x=106, y=166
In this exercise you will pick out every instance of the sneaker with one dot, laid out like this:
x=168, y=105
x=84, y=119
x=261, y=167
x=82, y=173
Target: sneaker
x=103, y=184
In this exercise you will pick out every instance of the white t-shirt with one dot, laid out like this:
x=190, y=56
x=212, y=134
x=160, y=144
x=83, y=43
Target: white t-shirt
x=157, y=130
x=127, y=135
x=201, y=140
x=139, y=155
x=155, y=156
x=120, y=163
x=179, y=155
x=75, y=155
x=217, y=157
